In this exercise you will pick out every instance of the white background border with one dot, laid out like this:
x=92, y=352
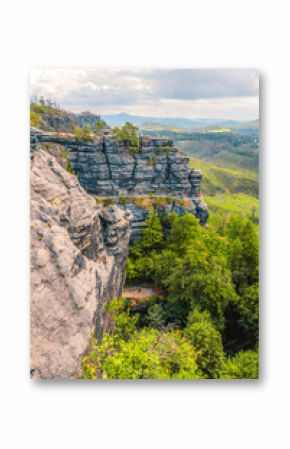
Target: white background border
x=82, y=414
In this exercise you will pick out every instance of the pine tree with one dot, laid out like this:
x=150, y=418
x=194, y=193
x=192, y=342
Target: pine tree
x=152, y=235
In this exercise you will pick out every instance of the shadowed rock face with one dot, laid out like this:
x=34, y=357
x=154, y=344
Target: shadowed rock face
x=78, y=257
x=140, y=214
x=109, y=168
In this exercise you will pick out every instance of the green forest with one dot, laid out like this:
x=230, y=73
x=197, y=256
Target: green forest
x=204, y=323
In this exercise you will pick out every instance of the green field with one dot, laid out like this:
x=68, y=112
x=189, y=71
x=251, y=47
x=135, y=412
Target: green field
x=233, y=203
x=217, y=180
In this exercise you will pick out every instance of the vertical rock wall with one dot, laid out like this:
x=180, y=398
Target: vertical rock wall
x=108, y=168
x=78, y=257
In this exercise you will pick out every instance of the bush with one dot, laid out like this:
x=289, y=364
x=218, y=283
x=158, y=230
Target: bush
x=244, y=365
x=108, y=201
x=64, y=156
x=86, y=133
x=100, y=125
x=83, y=133
x=150, y=161
x=35, y=119
x=148, y=354
x=248, y=306
x=128, y=133
x=207, y=342
x=133, y=354
x=155, y=317
x=123, y=200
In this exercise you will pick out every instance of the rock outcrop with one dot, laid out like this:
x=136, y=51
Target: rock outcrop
x=140, y=213
x=78, y=257
x=108, y=168
x=53, y=119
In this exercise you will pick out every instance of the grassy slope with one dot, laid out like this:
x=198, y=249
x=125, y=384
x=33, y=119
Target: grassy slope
x=229, y=191
x=234, y=154
x=234, y=203
x=218, y=179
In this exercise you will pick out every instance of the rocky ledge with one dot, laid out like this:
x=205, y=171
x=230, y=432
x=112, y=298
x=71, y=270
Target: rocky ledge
x=108, y=168
x=78, y=257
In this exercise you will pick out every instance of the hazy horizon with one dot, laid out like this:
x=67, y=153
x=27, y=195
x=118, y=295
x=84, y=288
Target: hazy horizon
x=195, y=94
x=175, y=117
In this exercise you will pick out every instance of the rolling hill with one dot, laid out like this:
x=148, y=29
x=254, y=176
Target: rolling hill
x=217, y=179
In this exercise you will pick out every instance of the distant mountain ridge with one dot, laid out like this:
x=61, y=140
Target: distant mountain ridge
x=177, y=122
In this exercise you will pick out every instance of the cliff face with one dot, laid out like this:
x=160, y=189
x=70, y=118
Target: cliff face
x=140, y=213
x=78, y=257
x=107, y=168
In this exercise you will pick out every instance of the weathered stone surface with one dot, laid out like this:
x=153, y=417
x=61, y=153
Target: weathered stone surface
x=106, y=167
x=65, y=121
x=78, y=257
x=140, y=214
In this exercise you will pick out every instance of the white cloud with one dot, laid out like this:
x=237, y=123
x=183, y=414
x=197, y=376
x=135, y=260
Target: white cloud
x=216, y=93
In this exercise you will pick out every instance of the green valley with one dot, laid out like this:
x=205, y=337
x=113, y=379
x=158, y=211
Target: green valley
x=218, y=179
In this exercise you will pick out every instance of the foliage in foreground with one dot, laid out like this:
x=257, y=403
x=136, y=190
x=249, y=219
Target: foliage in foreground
x=244, y=365
x=147, y=353
x=205, y=325
x=139, y=354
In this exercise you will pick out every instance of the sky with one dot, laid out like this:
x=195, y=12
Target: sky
x=190, y=93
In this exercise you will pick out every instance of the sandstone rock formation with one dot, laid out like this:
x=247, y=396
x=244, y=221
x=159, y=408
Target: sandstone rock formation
x=140, y=214
x=63, y=121
x=108, y=168
x=78, y=257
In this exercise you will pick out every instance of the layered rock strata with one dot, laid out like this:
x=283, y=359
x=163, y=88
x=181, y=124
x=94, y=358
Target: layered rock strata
x=78, y=257
x=140, y=213
x=108, y=168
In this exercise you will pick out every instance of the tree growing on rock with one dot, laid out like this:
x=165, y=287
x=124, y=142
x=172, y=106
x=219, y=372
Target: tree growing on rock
x=128, y=133
x=83, y=133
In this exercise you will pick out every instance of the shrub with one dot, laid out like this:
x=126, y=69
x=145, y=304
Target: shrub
x=208, y=343
x=155, y=317
x=108, y=201
x=161, y=201
x=86, y=133
x=35, y=119
x=244, y=365
x=64, y=156
x=123, y=200
x=100, y=125
x=128, y=133
x=150, y=161
x=83, y=133
x=248, y=306
x=147, y=354
x=69, y=168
